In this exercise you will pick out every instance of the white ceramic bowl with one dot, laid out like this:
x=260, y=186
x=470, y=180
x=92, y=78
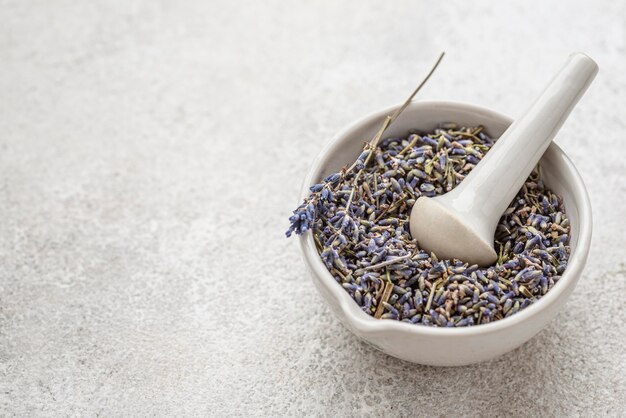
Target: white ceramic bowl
x=450, y=346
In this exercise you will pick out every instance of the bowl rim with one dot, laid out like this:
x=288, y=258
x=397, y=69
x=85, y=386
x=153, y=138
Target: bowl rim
x=368, y=324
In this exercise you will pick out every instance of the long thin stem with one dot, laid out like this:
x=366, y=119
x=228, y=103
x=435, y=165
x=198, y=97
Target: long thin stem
x=418, y=88
x=386, y=123
x=384, y=263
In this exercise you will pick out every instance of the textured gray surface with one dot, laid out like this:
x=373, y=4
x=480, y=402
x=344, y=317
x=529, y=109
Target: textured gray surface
x=150, y=153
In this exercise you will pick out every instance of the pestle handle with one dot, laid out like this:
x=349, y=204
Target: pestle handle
x=461, y=223
x=489, y=188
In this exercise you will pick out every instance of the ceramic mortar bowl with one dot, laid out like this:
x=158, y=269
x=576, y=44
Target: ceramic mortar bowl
x=450, y=346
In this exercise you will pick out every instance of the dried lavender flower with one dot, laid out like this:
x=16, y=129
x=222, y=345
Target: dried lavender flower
x=359, y=219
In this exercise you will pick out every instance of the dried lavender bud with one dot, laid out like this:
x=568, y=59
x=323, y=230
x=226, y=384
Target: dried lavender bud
x=359, y=219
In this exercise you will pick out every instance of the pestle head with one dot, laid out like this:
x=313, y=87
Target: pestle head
x=442, y=231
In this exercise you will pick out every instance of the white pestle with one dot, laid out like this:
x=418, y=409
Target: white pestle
x=461, y=223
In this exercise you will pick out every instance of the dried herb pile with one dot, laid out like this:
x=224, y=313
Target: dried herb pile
x=360, y=223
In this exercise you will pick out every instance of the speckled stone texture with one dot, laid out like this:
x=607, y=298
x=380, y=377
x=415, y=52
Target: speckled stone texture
x=151, y=152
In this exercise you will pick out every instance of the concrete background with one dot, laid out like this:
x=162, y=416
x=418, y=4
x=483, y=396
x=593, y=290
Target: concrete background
x=151, y=152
